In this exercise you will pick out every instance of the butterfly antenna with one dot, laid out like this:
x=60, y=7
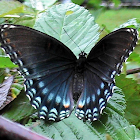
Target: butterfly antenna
x=72, y=40
x=94, y=38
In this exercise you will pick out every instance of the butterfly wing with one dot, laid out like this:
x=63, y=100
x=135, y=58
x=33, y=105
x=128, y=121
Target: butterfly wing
x=47, y=66
x=103, y=63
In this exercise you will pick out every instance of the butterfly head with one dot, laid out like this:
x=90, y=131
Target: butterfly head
x=81, y=62
x=82, y=55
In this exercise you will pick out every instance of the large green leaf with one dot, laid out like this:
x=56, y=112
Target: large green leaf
x=114, y=126
x=132, y=94
x=71, y=24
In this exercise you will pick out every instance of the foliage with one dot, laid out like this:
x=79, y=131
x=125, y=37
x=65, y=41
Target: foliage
x=95, y=3
x=72, y=25
x=111, y=19
x=132, y=97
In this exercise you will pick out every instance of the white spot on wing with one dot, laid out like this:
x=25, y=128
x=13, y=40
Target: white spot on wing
x=34, y=106
x=51, y=119
x=42, y=113
x=4, y=41
x=102, y=85
x=66, y=103
x=58, y=99
x=5, y=26
x=94, y=119
x=12, y=26
x=20, y=62
x=95, y=110
x=30, y=82
x=93, y=97
x=88, y=111
x=98, y=92
x=50, y=97
x=33, y=90
x=42, y=117
x=38, y=99
x=45, y=90
x=28, y=97
x=25, y=71
x=102, y=109
x=41, y=84
x=67, y=113
x=81, y=103
x=88, y=100
x=108, y=98
x=44, y=108
x=62, y=114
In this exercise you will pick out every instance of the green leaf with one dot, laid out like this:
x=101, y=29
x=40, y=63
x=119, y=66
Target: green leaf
x=120, y=129
x=131, y=23
x=17, y=13
x=79, y=2
x=18, y=109
x=76, y=30
x=116, y=2
x=68, y=129
x=131, y=90
x=10, y=8
x=40, y=4
x=74, y=129
x=94, y=3
x=5, y=62
x=17, y=85
x=134, y=57
x=117, y=103
x=2, y=75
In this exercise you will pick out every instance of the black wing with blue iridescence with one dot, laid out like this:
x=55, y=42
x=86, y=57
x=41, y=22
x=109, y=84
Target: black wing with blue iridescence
x=46, y=64
x=102, y=64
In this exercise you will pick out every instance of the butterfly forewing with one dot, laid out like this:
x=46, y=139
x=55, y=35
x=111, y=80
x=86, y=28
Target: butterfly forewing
x=112, y=51
x=103, y=63
x=46, y=64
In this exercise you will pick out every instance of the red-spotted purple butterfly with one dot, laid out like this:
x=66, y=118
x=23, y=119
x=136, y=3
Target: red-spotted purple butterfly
x=54, y=76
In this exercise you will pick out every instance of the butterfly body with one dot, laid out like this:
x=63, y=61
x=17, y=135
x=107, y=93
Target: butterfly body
x=54, y=76
x=80, y=63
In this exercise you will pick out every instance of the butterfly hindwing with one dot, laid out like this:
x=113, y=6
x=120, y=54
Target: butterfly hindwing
x=103, y=63
x=46, y=64
x=94, y=97
x=51, y=95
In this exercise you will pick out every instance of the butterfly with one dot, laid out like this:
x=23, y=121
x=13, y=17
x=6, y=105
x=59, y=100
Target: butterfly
x=55, y=78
